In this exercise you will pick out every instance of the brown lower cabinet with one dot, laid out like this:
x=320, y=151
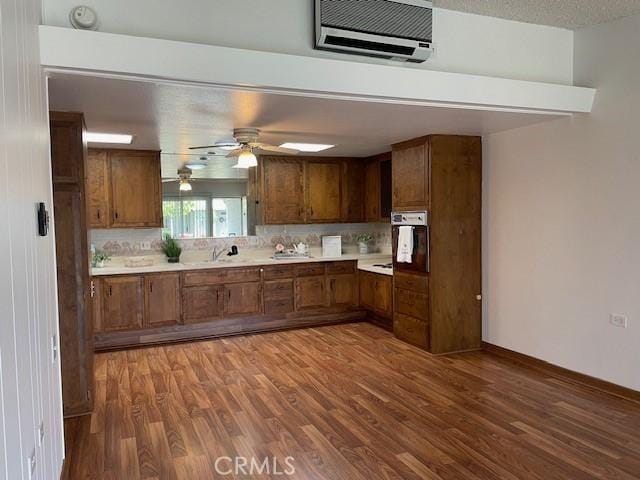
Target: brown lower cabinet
x=122, y=303
x=311, y=293
x=202, y=303
x=160, y=307
x=162, y=299
x=376, y=296
x=243, y=298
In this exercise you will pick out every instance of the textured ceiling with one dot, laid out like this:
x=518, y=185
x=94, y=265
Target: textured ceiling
x=570, y=14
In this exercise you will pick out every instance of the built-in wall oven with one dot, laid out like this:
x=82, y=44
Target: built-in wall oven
x=410, y=240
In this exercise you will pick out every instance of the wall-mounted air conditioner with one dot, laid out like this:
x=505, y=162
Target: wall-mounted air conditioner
x=393, y=29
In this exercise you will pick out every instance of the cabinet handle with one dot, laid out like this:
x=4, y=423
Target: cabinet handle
x=98, y=214
x=229, y=294
x=110, y=290
x=151, y=287
x=116, y=214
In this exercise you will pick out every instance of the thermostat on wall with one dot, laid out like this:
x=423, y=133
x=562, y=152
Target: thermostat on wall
x=83, y=18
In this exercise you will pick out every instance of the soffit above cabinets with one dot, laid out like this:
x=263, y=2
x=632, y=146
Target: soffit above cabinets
x=114, y=54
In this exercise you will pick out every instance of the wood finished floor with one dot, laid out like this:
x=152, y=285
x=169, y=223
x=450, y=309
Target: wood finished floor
x=348, y=402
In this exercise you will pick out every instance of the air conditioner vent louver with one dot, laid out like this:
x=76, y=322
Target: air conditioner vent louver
x=381, y=17
x=392, y=29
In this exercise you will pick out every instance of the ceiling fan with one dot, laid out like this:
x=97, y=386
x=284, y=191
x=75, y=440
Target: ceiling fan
x=184, y=177
x=246, y=146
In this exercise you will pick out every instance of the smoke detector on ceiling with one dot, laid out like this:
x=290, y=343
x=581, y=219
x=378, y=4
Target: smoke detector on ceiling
x=83, y=18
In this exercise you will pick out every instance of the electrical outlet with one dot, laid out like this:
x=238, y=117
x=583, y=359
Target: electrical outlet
x=31, y=463
x=145, y=245
x=618, y=320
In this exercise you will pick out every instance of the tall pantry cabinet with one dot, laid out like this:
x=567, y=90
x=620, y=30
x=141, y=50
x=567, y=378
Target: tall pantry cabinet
x=441, y=311
x=68, y=168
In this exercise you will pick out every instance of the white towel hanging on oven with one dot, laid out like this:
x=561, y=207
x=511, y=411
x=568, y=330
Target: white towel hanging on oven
x=405, y=244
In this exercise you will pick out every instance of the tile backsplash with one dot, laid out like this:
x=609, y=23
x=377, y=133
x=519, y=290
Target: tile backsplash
x=130, y=242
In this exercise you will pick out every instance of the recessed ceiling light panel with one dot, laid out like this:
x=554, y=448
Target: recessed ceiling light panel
x=95, y=137
x=307, y=147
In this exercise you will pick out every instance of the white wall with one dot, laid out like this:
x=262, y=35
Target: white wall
x=562, y=221
x=465, y=43
x=30, y=391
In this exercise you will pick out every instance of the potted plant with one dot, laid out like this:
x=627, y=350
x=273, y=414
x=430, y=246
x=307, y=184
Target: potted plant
x=99, y=258
x=171, y=249
x=364, y=239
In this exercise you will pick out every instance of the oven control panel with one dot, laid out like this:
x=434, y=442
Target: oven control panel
x=410, y=218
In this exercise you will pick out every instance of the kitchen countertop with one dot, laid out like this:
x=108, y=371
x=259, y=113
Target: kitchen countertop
x=247, y=258
x=370, y=265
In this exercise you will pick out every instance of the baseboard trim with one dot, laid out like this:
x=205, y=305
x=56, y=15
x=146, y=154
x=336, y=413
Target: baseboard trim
x=563, y=373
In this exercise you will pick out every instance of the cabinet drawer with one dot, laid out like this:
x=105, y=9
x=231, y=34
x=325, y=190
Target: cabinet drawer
x=334, y=268
x=282, y=305
x=311, y=269
x=411, y=303
x=411, y=330
x=278, y=289
x=415, y=283
x=278, y=271
x=221, y=275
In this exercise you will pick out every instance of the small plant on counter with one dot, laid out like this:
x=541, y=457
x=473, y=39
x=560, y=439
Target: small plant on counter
x=364, y=239
x=99, y=258
x=171, y=249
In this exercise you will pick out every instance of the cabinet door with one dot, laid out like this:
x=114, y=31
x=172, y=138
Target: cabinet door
x=67, y=147
x=343, y=290
x=311, y=293
x=384, y=296
x=136, y=188
x=283, y=190
x=353, y=191
x=367, y=290
x=242, y=298
x=410, y=178
x=98, y=210
x=322, y=190
x=202, y=303
x=162, y=299
x=372, y=191
x=122, y=303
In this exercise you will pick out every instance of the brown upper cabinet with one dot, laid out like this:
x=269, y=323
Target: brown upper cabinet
x=353, y=205
x=98, y=205
x=282, y=190
x=411, y=175
x=377, y=186
x=323, y=191
x=293, y=190
x=124, y=188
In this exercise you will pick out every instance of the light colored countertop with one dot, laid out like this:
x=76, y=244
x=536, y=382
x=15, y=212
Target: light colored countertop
x=246, y=258
x=373, y=265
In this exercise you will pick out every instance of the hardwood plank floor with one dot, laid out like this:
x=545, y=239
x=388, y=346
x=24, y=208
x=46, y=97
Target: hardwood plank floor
x=346, y=402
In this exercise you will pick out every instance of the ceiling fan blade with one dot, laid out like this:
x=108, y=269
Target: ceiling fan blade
x=203, y=146
x=167, y=180
x=272, y=148
x=217, y=145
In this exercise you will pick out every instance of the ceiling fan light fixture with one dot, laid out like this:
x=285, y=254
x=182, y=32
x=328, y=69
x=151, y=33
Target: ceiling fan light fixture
x=185, y=186
x=246, y=160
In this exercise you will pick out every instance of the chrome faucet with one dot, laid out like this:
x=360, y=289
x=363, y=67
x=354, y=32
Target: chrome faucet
x=216, y=253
